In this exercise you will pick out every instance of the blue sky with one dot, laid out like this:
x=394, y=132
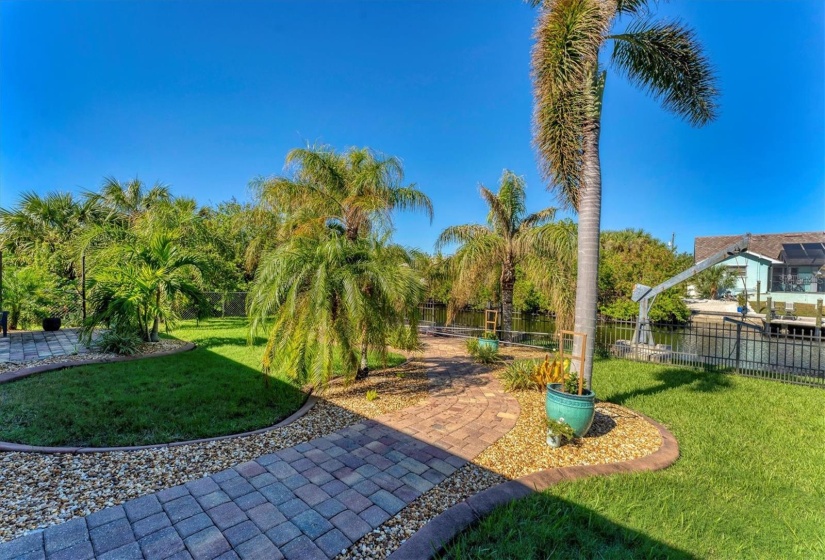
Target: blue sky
x=205, y=96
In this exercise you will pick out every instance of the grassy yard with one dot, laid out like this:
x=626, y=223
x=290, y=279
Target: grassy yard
x=214, y=390
x=750, y=482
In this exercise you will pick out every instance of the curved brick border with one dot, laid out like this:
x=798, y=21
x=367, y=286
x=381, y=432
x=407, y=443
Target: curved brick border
x=439, y=531
x=25, y=372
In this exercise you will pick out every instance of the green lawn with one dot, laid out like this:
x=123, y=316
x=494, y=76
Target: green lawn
x=750, y=482
x=214, y=390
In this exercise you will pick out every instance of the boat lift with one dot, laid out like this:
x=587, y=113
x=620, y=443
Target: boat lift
x=645, y=295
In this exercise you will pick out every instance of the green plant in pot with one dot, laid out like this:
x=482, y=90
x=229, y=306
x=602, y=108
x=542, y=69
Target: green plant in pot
x=574, y=403
x=558, y=431
x=489, y=339
x=482, y=353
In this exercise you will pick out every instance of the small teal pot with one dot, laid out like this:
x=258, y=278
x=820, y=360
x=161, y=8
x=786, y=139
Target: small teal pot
x=488, y=343
x=577, y=410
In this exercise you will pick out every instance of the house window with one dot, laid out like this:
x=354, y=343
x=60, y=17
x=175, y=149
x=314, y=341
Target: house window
x=739, y=271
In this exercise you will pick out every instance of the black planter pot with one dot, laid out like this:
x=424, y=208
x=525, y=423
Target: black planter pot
x=51, y=323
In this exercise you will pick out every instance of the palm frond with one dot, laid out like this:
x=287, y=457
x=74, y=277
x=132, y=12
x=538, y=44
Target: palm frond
x=667, y=60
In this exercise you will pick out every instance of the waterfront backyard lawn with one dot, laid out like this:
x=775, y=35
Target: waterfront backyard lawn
x=215, y=389
x=748, y=484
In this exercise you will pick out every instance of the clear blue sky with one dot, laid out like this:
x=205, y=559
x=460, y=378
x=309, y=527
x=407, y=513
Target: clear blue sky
x=207, y=95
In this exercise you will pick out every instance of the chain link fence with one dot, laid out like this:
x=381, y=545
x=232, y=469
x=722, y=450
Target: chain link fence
x=217, y=304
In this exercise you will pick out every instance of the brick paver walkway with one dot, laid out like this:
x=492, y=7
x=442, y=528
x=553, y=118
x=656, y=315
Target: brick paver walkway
x=309, y=501
x=27, y=346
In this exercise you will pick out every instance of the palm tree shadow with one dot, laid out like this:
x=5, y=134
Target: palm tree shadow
x=675, y=377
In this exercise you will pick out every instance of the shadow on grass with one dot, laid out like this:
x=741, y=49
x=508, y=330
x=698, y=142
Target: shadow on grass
x=544, y=526
x=672, y=377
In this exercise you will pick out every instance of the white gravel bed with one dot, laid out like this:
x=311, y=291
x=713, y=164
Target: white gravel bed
x=39, y=490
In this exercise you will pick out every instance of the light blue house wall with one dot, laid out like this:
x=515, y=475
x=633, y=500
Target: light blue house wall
x=758, y=269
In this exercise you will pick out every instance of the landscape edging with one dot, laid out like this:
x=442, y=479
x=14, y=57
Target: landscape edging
x=430, y=539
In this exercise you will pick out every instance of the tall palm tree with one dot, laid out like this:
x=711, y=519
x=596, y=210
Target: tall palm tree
x=509, y=238
x=664, y=58
x=356, y=191
x=323, y=296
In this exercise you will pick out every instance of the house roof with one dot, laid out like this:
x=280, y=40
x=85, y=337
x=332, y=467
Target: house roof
x=767, y=244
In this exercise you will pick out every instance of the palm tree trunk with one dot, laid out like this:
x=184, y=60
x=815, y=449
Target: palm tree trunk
x=363, y=368
x=587, y=284
x=508, y=282
x=154, y=336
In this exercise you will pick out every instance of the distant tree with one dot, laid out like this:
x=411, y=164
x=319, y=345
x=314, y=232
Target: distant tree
x=511, y=237
x=126, y=202
x=712, y=282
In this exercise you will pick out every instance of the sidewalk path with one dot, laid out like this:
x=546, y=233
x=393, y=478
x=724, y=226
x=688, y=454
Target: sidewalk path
x=308, y=501
x=26, y=346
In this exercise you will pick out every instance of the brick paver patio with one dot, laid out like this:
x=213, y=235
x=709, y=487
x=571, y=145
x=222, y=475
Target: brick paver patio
x=308, y=501
x=26, y=346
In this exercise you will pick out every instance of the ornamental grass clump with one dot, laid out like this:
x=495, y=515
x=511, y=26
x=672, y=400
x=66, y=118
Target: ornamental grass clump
x=482, y=353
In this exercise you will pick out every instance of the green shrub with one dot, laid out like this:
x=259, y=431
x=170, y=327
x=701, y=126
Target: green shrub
x=489, y=335
x=571, y=383
x=560, y=428
x=372, y=395
x=119, y=340
x=482, y=354
x=519, y=376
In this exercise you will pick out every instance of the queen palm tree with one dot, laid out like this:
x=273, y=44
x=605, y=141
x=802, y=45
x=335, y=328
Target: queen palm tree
x=323, y=296
x=510, y=238
x=664, y=58
x=355, y=191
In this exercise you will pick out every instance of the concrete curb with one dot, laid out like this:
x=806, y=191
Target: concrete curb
x=26, y=372
x=430, y=540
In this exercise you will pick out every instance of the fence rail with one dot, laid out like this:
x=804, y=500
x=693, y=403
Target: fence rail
x=217, y=304
x=744, y=349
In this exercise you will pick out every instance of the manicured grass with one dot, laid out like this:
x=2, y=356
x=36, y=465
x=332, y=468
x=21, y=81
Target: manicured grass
x=216, y=389
x=749, y=483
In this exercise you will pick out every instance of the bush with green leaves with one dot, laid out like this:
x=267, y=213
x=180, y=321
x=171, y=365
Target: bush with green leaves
x=489, y=335
x=484, y=354
x=121, y=340
x=519, y=375
x=560, y=428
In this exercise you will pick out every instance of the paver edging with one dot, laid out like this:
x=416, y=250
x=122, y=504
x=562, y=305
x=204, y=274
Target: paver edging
x=26, y=372
x=430, y=539
x=21, y=448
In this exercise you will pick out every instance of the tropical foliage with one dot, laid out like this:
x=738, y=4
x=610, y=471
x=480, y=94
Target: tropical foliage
x=714, y=281
x=663, y=58
x=335, y=286
x=510, y=238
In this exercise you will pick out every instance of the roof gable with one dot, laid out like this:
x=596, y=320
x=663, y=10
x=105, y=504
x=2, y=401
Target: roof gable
x=767, y=244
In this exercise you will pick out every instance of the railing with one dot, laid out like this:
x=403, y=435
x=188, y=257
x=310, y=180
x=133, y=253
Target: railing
x=217, y=304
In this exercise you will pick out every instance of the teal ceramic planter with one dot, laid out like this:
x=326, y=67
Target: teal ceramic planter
x=576, y=410
x=488, y=343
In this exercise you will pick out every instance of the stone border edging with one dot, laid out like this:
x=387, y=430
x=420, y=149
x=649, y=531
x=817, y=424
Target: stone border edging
x=430, y=539
x=26, y=372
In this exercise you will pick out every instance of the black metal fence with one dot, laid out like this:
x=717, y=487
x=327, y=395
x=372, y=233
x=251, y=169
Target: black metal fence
x=217, y=304
x=794, y=355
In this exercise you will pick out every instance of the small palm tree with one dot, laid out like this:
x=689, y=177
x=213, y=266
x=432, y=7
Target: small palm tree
x=664, y=58
x=511, y=237
x=714, y=281
x=137, y=283
x=323, y=296
x=355, y=191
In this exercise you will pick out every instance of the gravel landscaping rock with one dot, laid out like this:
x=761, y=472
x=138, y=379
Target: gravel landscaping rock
x=39, y=490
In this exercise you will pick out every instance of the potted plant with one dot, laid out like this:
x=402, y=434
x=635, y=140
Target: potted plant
x=567, y=399
x=51, y=323
x=558, y=431
x=489, y=339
